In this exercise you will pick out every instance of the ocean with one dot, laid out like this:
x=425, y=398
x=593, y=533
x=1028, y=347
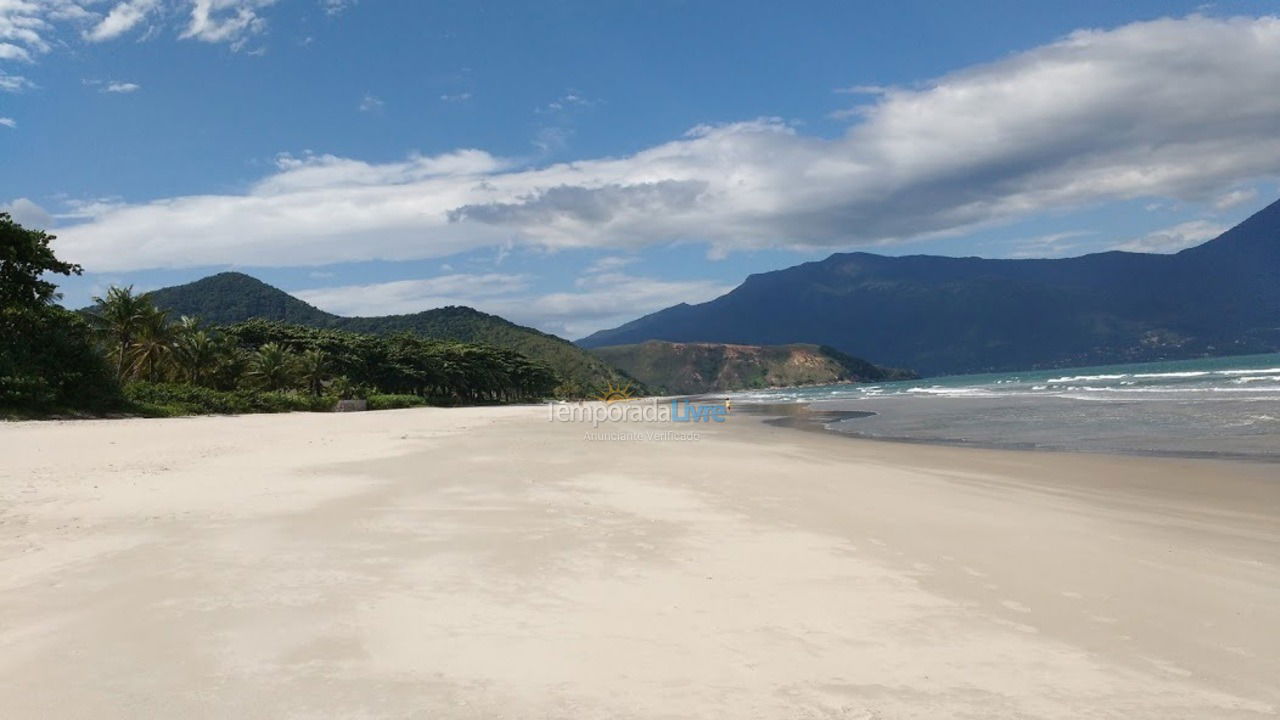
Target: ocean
x=1210, y=407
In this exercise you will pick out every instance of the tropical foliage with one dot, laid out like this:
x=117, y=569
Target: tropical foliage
x=229, y=298
x=257, y=365
x=126, y=353
x=402, y=363
x=48, y=360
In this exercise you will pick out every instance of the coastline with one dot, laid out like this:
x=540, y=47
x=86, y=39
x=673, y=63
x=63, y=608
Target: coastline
x=483, y=561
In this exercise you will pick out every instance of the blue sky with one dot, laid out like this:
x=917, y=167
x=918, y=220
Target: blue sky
x=573, y=165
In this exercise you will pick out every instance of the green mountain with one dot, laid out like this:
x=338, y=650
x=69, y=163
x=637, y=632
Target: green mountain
x=691, y=368
x=231, y=297
x=944, y=315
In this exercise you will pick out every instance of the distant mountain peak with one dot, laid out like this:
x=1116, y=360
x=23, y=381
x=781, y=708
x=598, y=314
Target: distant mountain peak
x=943, y=315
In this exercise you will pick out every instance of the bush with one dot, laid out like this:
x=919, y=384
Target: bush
x=394, y=402
x=170, y=399
x=48, y=364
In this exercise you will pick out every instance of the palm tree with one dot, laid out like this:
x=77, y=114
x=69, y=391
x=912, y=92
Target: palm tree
x=273, y=367
x=119, y=317
x=152, y=347
x=231, y=362
x=188, y=325
x=313, y=370
x=197, y=356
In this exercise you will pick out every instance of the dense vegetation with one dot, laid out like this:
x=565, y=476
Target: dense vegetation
x=126, y=354
x=228, y=298
x=404, y=363
x=689, y=368
x=172, y=367
x=943, y=315
x=48, y=360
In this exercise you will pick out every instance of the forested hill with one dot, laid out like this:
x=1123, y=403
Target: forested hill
x=689, y=368
x=231, y=297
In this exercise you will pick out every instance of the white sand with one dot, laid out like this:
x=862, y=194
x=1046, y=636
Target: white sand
x=486, y=563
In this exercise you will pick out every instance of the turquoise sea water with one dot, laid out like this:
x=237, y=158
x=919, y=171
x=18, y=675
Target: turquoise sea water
x=1212, y=406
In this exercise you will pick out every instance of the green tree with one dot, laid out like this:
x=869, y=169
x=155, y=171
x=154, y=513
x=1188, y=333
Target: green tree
x=153, y=346
x=119, y=316
x=25, y=256
x=273, y=367
x=231, y=364
x=195, y=353
x=47, y=357
x=313, y=370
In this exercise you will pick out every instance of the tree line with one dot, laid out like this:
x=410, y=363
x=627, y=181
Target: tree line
x=125, y=349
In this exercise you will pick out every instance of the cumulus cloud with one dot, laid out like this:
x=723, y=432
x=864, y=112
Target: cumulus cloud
x=369, y=103
x=600, y=300
x=1180, y=109
x=121, y=87
x=8, y=122
x=1173, y=239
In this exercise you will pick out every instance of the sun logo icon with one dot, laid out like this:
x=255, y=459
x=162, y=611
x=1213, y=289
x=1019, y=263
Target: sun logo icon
x=614, y=393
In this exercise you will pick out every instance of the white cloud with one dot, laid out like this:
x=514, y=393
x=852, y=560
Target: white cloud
x=1226, y=201
x=229, y=21
x=121, y=19
x=1170, y=109
x=863, y=90
x=28, y=214
x=30, y=28
x=23, y=26
x=1173, y=239
x=14, y=83
x=409, y=296
x=9, y=51
x=369, y=103
x=8, y=122
x=336, y=7
x=456, y=97
x=607, y=300
x=601, y=300
x=609, y=263
x=121, y=87
x=569, y=101
x=1050, y=246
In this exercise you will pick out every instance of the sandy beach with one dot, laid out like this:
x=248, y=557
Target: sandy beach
x=488, y=563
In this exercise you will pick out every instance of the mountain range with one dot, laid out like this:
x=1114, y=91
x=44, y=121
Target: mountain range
x=232, y=297
x=692, y=368
x=945, y=315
